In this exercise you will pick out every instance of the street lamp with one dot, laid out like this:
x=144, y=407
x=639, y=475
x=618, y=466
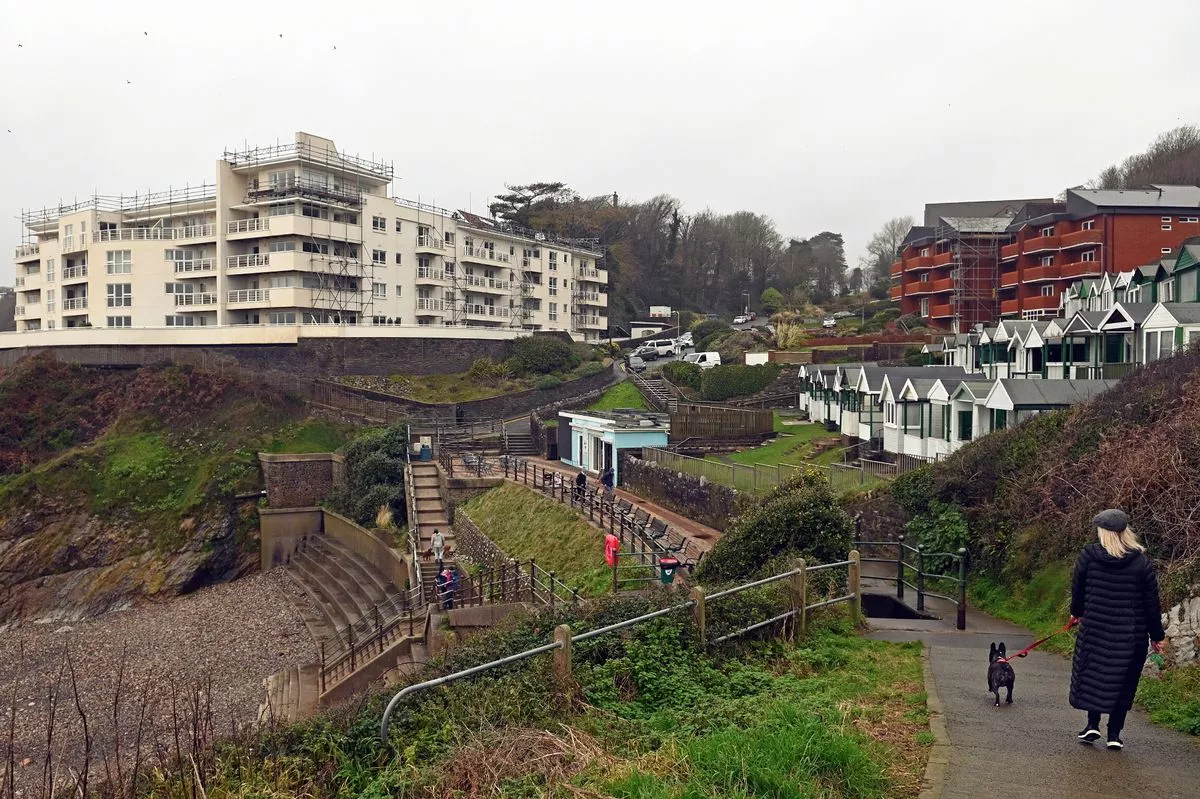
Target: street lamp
x=746, y=304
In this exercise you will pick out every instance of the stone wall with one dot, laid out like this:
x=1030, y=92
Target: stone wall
x=1182, y=623
x=694, y=497
x=300, y=481
x=473, y=545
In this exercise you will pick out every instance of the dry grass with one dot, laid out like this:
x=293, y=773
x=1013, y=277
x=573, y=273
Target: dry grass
x=530, y=756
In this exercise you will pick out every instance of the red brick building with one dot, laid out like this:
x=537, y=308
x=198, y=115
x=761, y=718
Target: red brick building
x=1091, y=233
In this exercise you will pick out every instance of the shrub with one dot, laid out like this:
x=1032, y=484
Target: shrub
x=707, y=328
x=914, y=357
x=487, y=372
x=801, y=518
x=682, y=373
x=547, y=382
x=590, y=369
x=542, y=355
x=771, y=300
x=736, y=380
x=374, y=476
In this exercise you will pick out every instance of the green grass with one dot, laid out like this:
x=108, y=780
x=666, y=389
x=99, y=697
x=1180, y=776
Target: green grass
x=622, y=395
x=793, y=443
x=312, y=435
x=527, y=525
x=1174, y=699
x=1041, y=605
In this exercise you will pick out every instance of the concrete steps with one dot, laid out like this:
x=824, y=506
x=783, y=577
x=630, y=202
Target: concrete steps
x=520, y=444
x=291, y=695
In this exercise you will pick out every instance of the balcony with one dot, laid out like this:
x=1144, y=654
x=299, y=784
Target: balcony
x=941, y=311
x=189, y=300
x=430, y=243
x=19, y=310
x=19, y=282
x=1009, y=307
x=1082, y=238
x=486, y=311
x=73, y=244
x=135, y=234
x=897, y=268
x=919, y=287
x=1035, y=274
x=256, y=225
x=945, y=284
x=943, y=259
x=1078, y=269
x=590, y=274
x=247, y=261
x=1010, y=251
x=486, y=283
x=430, y=305
x=1040, y=303
x=72, y=274
x=28, y=252
x=195, y=265
x=1010, y=278
x=75, y=304
x=1040, y=244
x=592, y=297
x=485, y=254
x=896, y=292
x=593, y=321
x=243, y=296
x=198, y=232
x=426, y=274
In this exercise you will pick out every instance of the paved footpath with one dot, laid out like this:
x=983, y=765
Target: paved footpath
x=1028, y=748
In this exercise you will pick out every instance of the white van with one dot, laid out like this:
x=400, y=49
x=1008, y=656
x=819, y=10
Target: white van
x=665, y=347
x=705, y=360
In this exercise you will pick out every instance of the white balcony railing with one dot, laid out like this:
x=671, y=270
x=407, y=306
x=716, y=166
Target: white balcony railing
x=247, y=261
x=430, y=242
x=499, y=285
x=19, y=282
x=136, y=234
x=428, y=304
x=491, y=311
x=428, y=273
x=75, y=304
x=74, y=272
x=247, y=295
x=592, y=321
x=248, y=225
x=26, y=250
x=590, y=274
x=20, y=310
x=485, y=254
x=195, y=265
x=195, y=299
x=198, y=231
x=588, y=296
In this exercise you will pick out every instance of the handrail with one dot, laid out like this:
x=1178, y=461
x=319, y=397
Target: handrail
x=903, y=567
x=570, y=640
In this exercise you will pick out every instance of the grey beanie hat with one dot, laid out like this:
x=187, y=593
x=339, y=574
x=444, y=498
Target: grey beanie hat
x=1113, y=519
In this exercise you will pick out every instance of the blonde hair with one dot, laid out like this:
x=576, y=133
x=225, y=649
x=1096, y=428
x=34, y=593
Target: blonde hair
x=1119, y=544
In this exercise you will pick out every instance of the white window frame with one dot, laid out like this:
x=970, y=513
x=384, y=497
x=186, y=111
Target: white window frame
x=119, y=295
x=889, y=413
x=1165, y=251
x=399, y=225
x=118, y=262
x=282, y=245
x=379, y=291
x=1190, y=220
x=1048, y=290
x=399, y=290
x=1088, y=255
x=1088, y=224
x=1046, y=260
x=281, y=209
x=379, y=224
x=1046, y=231
x=120, y=321
x=379, y=256
x=924, y=251
x=399, y=259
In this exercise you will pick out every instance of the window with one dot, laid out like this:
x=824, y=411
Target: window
x=1089, y=224
x=283, y=246
x=184, y=320
x=1165, y=251
x=379, y=256
x=345, y=217
x=118, y=262
x=399, y=291
x=1047, y=231
x=553, y=311
x=379, y=224
x=924, y=251
x=449, y=239
x=49, y=270
x=1189, y=220
x=281, y=209
x=889, y=412
x=379, y=291
x=1166, y=291
x=119, y=295
x=68, y=230
x=1166, y=223
x=924, y=277
x=553, y=261
x=49, y=300
x=120, y=321
x=1047, y=260
x=313, y=247
x=553, y=282
x=422, y=261
x=180, y=288
x=284, y=177
x=1048, y=291
x=281, y=318
x=1089, y=256
x=314, y=211
x=398, y=258
x=398, y=225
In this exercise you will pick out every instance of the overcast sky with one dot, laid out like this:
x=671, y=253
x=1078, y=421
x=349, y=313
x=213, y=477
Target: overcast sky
x=823, y=116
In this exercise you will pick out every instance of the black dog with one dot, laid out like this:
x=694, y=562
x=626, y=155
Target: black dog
x=1000, y=674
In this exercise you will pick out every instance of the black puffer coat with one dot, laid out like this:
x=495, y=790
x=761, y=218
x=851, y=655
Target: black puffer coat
x=1117, y=598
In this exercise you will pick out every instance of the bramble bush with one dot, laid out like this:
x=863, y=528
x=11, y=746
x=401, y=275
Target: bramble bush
x=547, y=382
x=374, y=476
x=542, y=355
x=590, y=369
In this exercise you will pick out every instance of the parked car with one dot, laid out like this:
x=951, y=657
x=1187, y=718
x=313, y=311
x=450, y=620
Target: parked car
x=843, y=315
x=647, y=352
x=665, y=347
x=829, y=322
x=686, y=340
x=635, y=364
x=705, y=360
x=741, y=320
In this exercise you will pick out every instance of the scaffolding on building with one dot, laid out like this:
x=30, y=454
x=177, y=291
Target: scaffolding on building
x=166, y=211
x=974, y=273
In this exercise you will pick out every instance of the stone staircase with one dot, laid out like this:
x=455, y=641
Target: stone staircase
x=656, y=392
x=292, y=694
x=520, y=445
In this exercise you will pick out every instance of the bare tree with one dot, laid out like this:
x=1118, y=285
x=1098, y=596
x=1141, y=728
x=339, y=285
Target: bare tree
x=882, y=249
x=1173, y=158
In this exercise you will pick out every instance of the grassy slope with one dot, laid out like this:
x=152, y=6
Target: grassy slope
x=527, y=525
x=832, y=715
x=622, y=395
x=794, y=442
x=312, y=435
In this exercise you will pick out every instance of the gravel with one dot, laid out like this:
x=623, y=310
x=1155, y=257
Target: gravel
x=230, y=636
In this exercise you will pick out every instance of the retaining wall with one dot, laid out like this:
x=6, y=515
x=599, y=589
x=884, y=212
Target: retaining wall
x=694, y=497
x=300, y=481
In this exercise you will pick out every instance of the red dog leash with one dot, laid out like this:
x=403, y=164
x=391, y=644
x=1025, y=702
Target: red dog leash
x=1039, y=642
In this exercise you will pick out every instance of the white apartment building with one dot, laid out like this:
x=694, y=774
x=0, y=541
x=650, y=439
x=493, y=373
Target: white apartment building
x=298, y=234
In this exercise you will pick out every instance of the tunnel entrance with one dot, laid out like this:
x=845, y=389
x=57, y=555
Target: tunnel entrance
x=883, y=606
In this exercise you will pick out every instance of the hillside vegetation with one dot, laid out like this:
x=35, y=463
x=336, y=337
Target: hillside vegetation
x=117, y=484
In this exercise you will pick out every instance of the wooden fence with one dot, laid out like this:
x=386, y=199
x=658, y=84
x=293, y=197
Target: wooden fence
x=715, y=421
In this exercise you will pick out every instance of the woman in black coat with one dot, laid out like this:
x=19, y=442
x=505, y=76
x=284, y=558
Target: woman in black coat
x=1114, y=597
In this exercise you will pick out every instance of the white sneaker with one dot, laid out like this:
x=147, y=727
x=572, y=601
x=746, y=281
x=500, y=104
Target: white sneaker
x=1115, y=744
x=1089, y=735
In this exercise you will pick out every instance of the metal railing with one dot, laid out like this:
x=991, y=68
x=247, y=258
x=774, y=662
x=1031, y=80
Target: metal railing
x=430, y=242
x=924, y=567
x=19, y=282
x=429, y=304
x=248, y=295
x=249, y=259
x=195, y=265
x=26, y=250
x=73, y=272
x=564, y=640
x=428, y=273
x=248, y=225
x=75, y=303
x=197, y=231
x=195, y=299
x=136, y=234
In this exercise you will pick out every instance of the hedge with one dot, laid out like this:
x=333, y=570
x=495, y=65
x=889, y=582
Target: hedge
x=682, y=373
x=736, y=380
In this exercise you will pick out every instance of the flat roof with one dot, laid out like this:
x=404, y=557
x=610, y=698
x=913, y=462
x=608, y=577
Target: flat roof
x=626, y=418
